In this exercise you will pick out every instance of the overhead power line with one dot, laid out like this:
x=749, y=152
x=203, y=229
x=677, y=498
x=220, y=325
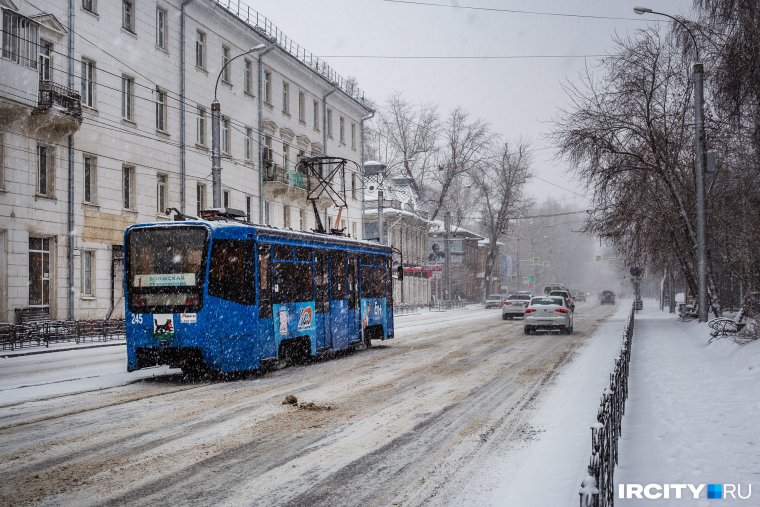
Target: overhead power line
x=464, y=57
x=516, y=11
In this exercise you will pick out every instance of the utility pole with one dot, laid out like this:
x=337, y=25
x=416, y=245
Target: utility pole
x=380, y=215
x=699, y=118
x=701, y=163
x=447, y=252
x=216, y=166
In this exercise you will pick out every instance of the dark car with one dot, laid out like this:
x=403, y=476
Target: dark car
x=607, y=297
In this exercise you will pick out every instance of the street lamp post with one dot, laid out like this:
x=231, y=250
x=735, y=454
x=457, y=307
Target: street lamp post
x=699, y=126
x=216, y=165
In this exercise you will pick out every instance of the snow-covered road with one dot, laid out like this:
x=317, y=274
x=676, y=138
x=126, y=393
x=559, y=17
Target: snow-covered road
x=392, y=424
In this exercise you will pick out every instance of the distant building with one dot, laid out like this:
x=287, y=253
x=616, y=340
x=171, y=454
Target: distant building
x=119, y=130
x=464, y=261
x=405, y=227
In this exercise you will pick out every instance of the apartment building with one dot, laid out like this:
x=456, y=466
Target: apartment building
x=105, y=121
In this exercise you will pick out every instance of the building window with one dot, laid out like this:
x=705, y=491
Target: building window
x=316, y=115
x=128, y=186
x=161, y=27
x=161, y=110
x=268, y=87
x=248, y=77
x=342, y=130
x=127, y=97
x=161, y=194
x=45, y=170
x=353, y=136
x=20, y=39
x=285, y=155
x=200, y=132
x=90, y=5
x=200, y=49
x=226, y=198
x=286, y=97
x=39, y=271
x=302, y=219
x=266, y=212
x=88, y=83
x=286, y=216
x=225, y=135
x=249, y=144
x=128, y=15
x=301, y=107
x=200, y=198
x=46, y=51
x=353, y=185
x=329, y=123
x=247, y=208
x=225, y=67
x=90, y=179
x=88, y=260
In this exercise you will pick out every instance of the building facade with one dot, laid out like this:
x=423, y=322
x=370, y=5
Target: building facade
x=405, y=228
x=105, y=121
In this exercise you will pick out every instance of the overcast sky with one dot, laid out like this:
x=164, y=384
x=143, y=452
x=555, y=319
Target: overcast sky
x=517, y=96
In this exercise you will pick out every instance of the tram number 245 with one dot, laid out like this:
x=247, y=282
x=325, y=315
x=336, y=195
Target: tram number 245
x=137, y=318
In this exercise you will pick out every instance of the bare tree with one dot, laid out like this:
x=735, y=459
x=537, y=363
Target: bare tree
x=501, y=182
x=406, y=137
x=628, y=137
x=465, y=144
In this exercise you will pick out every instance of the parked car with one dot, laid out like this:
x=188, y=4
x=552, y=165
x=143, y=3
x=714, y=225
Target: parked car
x=493, y=301
x=548, y=313
x=565, y=294
x=514, y=306
x=607, y=297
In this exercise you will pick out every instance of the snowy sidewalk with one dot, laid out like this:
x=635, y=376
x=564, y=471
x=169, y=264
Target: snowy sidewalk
x=692, y=412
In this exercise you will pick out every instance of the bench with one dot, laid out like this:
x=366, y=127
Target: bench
x=723, y=326
x=32, y=315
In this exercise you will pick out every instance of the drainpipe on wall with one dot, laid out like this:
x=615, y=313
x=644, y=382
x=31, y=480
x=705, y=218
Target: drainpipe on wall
x=182, y=140
x=324, y=117
x=361, y=159
x=261, y=128
x=70, y=206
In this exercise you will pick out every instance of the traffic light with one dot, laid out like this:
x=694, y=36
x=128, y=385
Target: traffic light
x=530, y=280
x=400, y=272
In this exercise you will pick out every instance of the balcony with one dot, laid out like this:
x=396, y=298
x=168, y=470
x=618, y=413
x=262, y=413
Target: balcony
x=279, y=181
x=59, y=109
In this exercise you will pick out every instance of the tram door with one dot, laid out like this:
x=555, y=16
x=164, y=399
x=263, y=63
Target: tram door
x=354, y=322
x=322, y=303
x=340, y=316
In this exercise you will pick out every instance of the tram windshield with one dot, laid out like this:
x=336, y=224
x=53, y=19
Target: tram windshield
x=165, y=269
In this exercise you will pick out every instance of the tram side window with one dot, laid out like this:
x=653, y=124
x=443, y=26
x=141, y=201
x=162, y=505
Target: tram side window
x=292, y=282
x=231, y=271
x=265, y=288
x=373, y=282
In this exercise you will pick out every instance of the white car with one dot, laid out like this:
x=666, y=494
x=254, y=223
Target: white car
x=548, y=313
x=514, y=306
x=493, y=301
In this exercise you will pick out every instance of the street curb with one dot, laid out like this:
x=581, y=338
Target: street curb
x=49, y=351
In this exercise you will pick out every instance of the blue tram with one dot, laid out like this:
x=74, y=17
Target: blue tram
x=229, y=296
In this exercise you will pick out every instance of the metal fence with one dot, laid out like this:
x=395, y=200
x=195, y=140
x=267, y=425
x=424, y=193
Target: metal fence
x=43, y=333
x=598, y=489
x=446, y=305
